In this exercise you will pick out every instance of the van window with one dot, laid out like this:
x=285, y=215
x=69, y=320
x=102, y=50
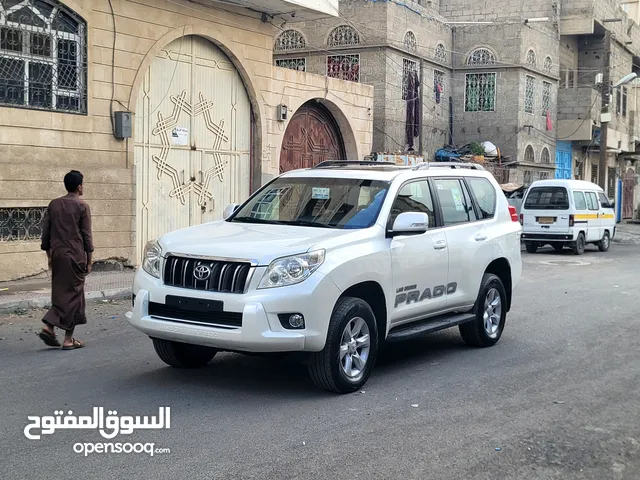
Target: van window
x=592, y=201
x=603, y=198
x=581, y=203
x=547, y=198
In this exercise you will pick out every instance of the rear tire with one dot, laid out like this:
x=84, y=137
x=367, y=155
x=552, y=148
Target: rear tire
x=491, y=314
x=579, y=245
x=605, y=243
x=531, y=247
x=350, y=352
x=183, y=355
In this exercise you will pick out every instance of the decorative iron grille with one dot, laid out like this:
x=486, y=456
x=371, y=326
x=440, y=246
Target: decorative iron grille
x=480, y=92
x=527, y=178
x=410, y=42
x=531, y=58
x=290, y=40
x=481, y=56
x=440, y=53
x=43, y=56
x=529, y=155
x=344, y=67
x=408, y=67
x=543, y=175
x=529, y=94
x=546, y=98
x=21, y=224
x=548, y=65
x=299, y=64
x=343, y=36
x=545, y=157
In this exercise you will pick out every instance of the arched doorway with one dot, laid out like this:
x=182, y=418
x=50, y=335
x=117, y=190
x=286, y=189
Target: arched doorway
x=192, y=138
x=628, y=186
x=312, y=136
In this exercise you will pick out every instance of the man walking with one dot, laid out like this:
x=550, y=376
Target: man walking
x=67, y=239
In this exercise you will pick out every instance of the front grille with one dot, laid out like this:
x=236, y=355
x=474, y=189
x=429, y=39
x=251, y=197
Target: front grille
x=230, y=319
x=226, y=277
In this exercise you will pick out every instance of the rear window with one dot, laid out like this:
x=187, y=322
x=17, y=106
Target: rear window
x=547, y=198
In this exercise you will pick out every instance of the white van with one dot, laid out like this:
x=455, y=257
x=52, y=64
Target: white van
x=566, y=213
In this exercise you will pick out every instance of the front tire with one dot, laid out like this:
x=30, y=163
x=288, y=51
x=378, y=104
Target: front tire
x=579, y=245
x=350, y=352
x=491, y=314
x=605, y=243
x=183, y=355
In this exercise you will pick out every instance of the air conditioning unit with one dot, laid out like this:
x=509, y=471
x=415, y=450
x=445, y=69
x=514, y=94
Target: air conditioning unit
x=599, y=79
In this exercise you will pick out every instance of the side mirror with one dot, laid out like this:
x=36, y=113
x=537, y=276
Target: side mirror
x=606, y=205
x=410, y=223
x=230, y=210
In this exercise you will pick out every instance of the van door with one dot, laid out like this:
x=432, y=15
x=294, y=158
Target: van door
x=546, y=210
x=594, y=232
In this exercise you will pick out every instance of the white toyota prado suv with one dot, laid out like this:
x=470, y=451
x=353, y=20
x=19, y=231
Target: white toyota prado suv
x=333, y=261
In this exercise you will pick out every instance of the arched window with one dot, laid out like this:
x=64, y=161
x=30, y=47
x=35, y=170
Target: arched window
x=545, y=157
x=481, y=56
x=440, y=53
x=531, y=58
x=548, y=65
x=410, y=42
x=343, y=36
x=43, y=56
x=529, y=155
x=290, y=40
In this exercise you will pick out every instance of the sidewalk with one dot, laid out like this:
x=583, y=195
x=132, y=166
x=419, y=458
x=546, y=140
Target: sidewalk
x=27, y=294
x=627, y=233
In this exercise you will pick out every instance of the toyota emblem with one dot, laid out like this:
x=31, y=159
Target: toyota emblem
x=202, y=272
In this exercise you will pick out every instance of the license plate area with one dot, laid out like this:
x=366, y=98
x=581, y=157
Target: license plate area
x=194, y=304
x=545, y=220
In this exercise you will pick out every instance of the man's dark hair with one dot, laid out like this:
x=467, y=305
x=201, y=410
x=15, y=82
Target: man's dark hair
x=73, y=180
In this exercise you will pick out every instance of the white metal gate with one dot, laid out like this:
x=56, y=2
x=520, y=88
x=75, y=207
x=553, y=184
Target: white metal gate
x=192, y=139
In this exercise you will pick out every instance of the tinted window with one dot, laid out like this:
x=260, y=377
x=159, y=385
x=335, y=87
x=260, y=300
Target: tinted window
x=413, y=197
x=455, y=202
x=603, y=198
x=547, y=198
x=485, y=195
x=581, y=203
x=592, y=201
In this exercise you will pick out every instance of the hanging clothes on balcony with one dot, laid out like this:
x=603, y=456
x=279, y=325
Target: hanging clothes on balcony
x=413, y=108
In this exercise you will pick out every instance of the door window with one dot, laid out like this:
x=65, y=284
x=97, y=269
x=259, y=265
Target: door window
x=413, y=197
x=484, y=194
x=581, y=203
x=603, y=198
x=592, y=201
x=455, y=202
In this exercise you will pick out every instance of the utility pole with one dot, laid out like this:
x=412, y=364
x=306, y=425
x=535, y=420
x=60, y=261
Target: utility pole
x=604, y=126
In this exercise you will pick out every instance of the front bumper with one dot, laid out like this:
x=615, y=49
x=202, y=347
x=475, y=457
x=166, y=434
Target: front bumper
x=260, y=330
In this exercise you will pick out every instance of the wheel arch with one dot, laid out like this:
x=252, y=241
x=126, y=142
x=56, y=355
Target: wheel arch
x=501, y=268
x=372, y=293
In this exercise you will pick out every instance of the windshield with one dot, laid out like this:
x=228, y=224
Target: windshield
x=347, y=203
x=547, y=198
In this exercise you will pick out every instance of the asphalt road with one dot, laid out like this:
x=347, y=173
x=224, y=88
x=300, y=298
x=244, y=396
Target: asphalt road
x=557, y=398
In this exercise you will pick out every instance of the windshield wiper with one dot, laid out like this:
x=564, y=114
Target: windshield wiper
x=308, y=223
x=256, y=220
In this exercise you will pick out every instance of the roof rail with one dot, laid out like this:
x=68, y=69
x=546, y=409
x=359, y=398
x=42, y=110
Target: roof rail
x=341, y=163
x=472, y=166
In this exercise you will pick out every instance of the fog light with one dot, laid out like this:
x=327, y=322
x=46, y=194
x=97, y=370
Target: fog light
x=296, y=320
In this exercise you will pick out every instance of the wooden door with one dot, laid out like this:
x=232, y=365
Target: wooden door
x=628, y=185
x=312, y=136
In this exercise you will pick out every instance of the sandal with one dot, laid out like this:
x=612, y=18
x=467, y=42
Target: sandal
x=74, y=345
x=49, y=338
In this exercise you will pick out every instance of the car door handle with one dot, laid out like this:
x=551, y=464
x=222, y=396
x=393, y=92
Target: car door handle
x=440, y=245
x=480, y=238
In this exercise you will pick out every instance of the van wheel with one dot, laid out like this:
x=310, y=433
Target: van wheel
x=605, y=243
x=578, y=245
x=345, y=363
x=183, y=355
x=490, y=311
x=531, y=247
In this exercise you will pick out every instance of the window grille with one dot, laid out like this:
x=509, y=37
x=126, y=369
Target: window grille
x=441, y=53
x=43, y=56
x=343, y=36
x=548, y=65
x=529, y=94
x=481, y=56
x=408, y=67
x=543, y=175
x=579, y=170
x=527, y=178
x=290, y=40
x=299, y=64
x=531, y=58
x=545, y=157
x=345, y=67
x=546, y=98
x=529, y=155
x=480, y=92
x=594, y=173
x=611, y=182
x=21, y=224
x=410, y=42
x=438, y=80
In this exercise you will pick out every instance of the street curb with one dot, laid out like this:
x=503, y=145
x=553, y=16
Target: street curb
x=45, y=302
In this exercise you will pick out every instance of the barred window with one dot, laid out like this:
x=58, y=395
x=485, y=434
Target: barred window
x=594, y=173
x=529, y=155
x=543, y=175
x=480, y=92
x=531, y=58
x=548, y=65
x=527, y=177
x=410, y=42
x=408, y=67
x=21, y=224
x=579, y=170
x=545, y=157
x=290, y=40
x=438, y=80
x=481, y=56
x=43, y=56
x=529, y=94
x=441, y=53
x=345, y=67
x=342, y=36
x=546, y=98
x=611, y=182
x=299, y=64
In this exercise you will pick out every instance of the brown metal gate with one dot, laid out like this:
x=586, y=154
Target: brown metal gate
x=628, y=185
x=312, y=136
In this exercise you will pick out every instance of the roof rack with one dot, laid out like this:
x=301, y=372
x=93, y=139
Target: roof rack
x=472, y=166
x=343, y=163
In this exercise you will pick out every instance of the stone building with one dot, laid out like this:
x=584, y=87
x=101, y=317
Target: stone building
x=207, y=108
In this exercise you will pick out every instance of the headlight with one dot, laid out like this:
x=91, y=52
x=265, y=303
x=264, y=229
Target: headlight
x=152, y=258
x=291, y=270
